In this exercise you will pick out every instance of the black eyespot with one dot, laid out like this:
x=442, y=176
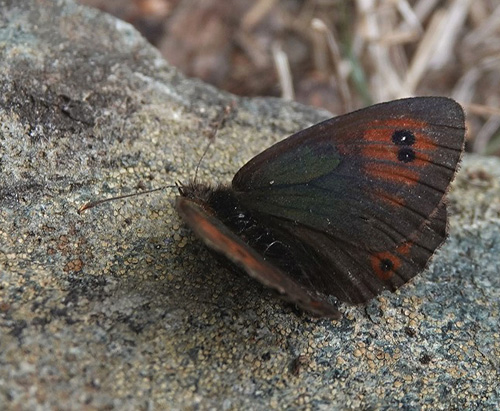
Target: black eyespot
x=386, y=265
x=403, y=138
x=406, y=155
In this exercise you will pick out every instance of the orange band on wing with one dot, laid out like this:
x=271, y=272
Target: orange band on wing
x=394, y=174
x=381, y=132
x=388, y=159
x=212, y=233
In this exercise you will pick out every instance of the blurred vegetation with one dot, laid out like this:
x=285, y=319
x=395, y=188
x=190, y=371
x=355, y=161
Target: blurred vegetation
x=336, y=54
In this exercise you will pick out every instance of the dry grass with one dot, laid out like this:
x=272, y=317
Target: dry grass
x=340, y=54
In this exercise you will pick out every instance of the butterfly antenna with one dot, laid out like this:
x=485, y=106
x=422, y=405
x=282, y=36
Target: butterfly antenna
x=217, y=124
x=201, y=159
x=92, y=204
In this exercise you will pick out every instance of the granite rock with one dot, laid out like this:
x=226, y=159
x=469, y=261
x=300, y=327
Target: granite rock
x=121, y=307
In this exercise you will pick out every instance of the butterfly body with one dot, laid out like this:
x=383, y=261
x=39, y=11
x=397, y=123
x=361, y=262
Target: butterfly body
x=349, y=207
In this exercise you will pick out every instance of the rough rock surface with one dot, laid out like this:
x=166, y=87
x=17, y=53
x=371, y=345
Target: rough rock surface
x=122, y=308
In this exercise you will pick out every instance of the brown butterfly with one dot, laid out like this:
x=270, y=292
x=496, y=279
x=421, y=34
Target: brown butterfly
x=348, y=208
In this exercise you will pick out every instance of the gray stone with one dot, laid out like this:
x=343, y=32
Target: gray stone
x=121, y=307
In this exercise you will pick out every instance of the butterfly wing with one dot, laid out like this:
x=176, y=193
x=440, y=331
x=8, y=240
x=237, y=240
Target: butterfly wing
x=361, y=194
x=352, y=273
x=221, y=239
x=370, y=178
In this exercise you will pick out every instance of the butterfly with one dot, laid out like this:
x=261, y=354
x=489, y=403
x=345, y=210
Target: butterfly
x=348, y=208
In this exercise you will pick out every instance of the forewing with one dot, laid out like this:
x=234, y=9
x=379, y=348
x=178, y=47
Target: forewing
x=219, y=238
x=371, y=178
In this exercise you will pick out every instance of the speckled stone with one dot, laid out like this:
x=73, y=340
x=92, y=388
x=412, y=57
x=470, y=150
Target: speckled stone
x=122, y=308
